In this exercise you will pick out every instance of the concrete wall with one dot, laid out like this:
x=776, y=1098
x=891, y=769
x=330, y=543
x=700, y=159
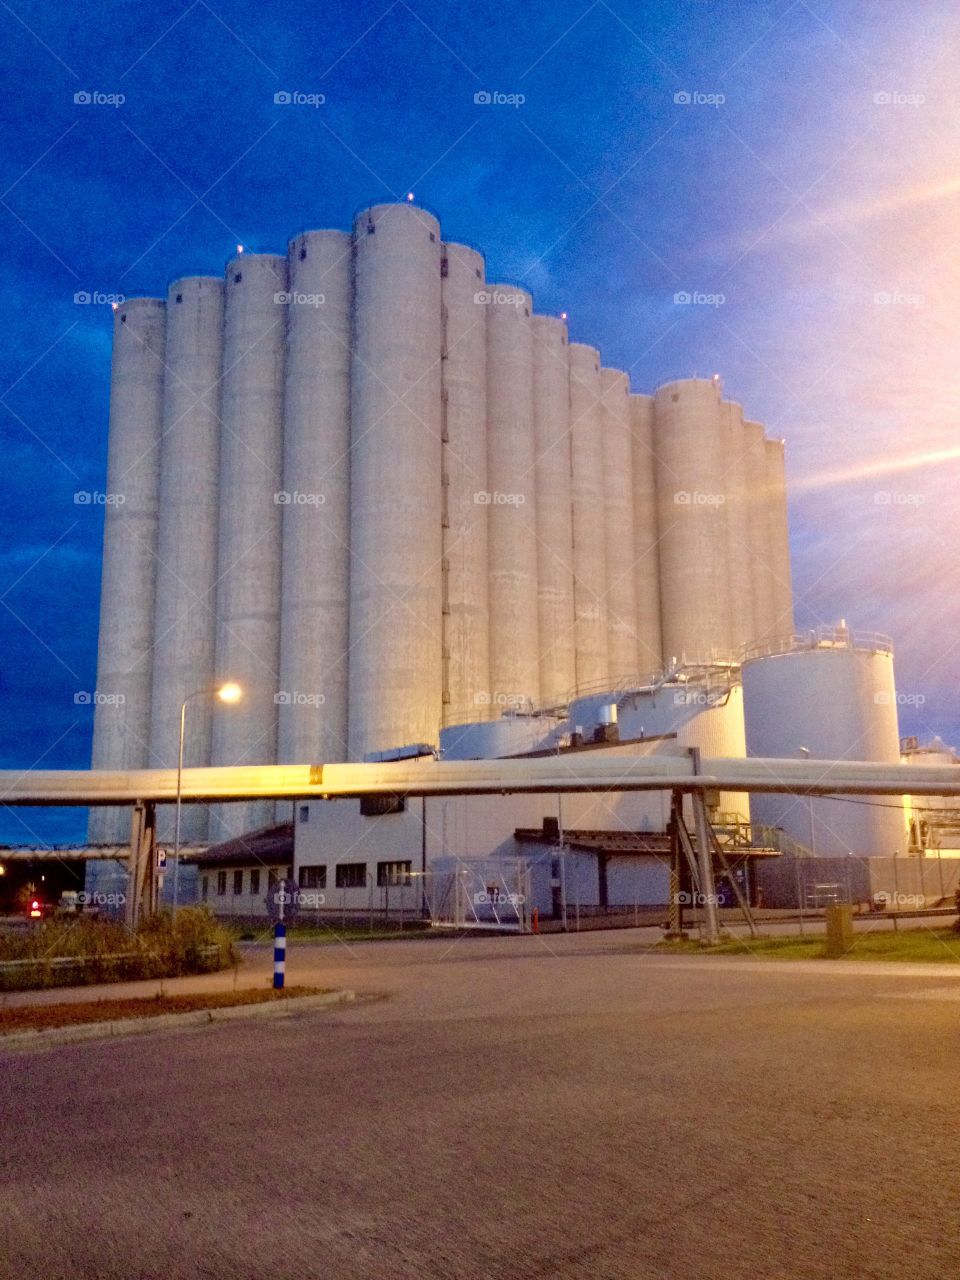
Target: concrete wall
x=589, y=527
x=619, y=532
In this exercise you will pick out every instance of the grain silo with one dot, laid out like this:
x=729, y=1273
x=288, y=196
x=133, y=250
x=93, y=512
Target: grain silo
x=184, y=616
x=758, y=529
x=619, y=532
x=512, y=498
x=466, y=621
x=315, y=493
x=589, y=529
x=692, y=522
x=646, y=537
x=251, y=481
x=779, y=538
x=396, y=547
x=733, y=445
x=121, y=732
x=551, y=413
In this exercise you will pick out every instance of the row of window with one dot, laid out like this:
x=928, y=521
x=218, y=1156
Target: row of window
x=347, y=875
x=273, y=875
x=353, y=875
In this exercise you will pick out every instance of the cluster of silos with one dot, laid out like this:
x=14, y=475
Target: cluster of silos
x=383, y=495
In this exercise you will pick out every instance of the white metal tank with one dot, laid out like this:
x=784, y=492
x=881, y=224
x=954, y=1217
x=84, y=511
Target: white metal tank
x=314, y=622
x=589, y=528
x=692, y=521
x=758, y=527
x=510, y=735
x=185, y=613
x=551, y=415
x=740, y=582
x=251, y=479
x=826, y=695
x=466, y=618
x=121, y=730
x=619, y=532
x=395, y=485
x=779, y=538
x=646, y=538
x=512, y=497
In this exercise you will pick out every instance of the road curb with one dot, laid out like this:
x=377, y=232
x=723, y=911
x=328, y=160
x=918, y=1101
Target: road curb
x=107, y=1030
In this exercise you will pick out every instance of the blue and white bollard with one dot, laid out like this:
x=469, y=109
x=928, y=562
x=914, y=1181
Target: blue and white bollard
x=279, y=954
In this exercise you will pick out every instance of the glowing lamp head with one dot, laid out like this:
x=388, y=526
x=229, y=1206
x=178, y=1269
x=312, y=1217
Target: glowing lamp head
x=230, y=692
x=409, y=196
x=35, y=912
x=239, y=248
x=563, y=315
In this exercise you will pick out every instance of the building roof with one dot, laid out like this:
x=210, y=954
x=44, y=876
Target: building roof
x=268, y=846
x=648, y=842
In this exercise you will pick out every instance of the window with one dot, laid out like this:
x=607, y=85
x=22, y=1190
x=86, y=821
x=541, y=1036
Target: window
x=123, y=318
x=352, y=875
x=179, y=297
x=303, y=254
x=204, y=887
x=371, y=228
x=313, y=877
x=433, y=237
x=255, y=880
x=393, y=873
x=237, y=883
x=377, y=806
x=221, y=883
x=238, y=276
x=271, y=879
x=304, y=813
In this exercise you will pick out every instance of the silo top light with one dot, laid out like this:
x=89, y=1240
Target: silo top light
x=563, y=315
x=239, y=248
x=409, y=195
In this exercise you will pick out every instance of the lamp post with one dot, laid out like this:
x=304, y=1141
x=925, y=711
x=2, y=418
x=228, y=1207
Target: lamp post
x=228, y=692
x=805, y=752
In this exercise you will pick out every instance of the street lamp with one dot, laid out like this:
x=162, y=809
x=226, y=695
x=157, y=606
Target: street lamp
x=229, y=692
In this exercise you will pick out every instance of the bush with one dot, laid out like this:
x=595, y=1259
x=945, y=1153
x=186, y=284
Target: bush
x=108, y=952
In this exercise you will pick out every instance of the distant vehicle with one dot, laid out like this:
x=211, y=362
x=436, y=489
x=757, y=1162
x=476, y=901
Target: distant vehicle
x=69, y=904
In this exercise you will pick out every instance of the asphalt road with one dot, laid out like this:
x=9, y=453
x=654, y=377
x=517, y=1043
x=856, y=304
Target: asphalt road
x=505, y=1107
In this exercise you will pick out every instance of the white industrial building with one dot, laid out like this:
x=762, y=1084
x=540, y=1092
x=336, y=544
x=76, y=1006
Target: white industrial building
x=384, y=496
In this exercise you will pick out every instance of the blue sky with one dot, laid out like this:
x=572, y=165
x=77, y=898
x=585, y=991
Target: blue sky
x=811, y=179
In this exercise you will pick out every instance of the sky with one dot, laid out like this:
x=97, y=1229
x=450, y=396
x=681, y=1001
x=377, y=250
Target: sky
x=791, y=163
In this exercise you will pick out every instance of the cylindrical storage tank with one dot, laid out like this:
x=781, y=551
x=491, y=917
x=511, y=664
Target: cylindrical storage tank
x=496, y=739
x=779, y=538
x=185, y=612
x=315, y=576
x=551, y=419
x=620, y=550
x=251, y=482
x=511, y=466
x=740, y=584
x=466, y=619
x=395, y=485
x=589, y=529
x=121, y=727
x=758, y=527
x=830, y=696
x=646, y=537
x=706, y=713
x=692, y=523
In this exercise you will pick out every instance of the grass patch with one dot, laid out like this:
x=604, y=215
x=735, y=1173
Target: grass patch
x=936, y=946
x=45, y=1017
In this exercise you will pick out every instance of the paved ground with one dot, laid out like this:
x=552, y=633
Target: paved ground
x=513, y=1107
